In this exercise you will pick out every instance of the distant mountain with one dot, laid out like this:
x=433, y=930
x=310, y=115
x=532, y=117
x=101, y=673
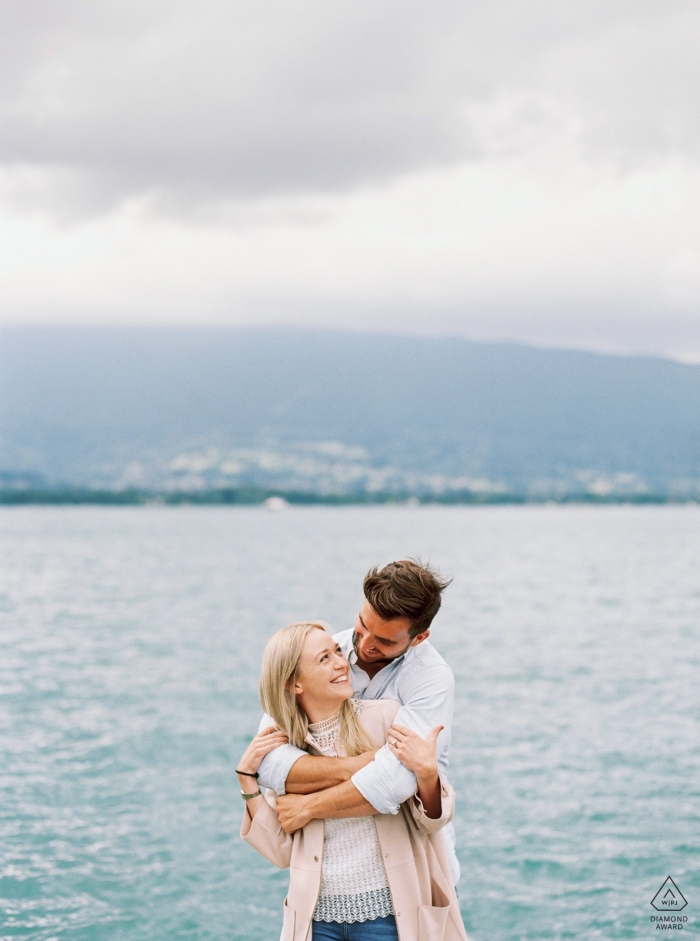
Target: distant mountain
x=335, y=411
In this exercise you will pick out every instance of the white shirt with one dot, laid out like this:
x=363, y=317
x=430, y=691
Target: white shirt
x=424, y=685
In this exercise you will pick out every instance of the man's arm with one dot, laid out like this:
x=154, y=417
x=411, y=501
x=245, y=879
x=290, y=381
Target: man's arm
x=316, y=773
x=343, y=800
x=383, y=784
x=428, y=700
x=290, y=770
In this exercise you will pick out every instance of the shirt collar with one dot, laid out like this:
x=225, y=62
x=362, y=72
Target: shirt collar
x=352, y=660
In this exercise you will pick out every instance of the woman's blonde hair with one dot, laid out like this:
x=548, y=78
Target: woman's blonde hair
x=280, y=668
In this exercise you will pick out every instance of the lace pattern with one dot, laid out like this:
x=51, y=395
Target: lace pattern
x=354, y=886
x=325, y=734
x=350, y=908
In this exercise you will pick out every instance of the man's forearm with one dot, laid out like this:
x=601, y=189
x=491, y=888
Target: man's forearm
x=343, y=800
x=294, y=811
x=314, y=773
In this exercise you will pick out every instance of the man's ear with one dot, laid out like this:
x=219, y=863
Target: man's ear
x=419, y=638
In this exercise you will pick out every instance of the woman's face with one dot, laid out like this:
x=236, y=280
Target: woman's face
x=323, y=678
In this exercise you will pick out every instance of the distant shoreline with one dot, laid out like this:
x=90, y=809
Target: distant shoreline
x=252, y=496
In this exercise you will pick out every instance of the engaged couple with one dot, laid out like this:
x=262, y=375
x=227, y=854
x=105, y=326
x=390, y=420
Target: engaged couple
x=353, y=751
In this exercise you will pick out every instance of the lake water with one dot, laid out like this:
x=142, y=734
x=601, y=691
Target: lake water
x=130, y=641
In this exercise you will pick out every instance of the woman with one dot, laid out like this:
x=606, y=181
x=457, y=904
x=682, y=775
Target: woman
x=359, y=879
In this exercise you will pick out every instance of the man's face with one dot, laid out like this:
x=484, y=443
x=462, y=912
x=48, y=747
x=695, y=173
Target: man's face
x=380, y=641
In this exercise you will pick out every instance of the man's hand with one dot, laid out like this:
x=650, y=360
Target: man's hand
x=293, y=811
x=343, y=800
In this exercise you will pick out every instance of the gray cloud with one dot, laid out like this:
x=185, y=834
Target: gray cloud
x=226, y=101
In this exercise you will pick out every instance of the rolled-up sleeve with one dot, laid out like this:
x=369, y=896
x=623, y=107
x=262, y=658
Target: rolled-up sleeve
x=433, y=824
x=276, y=765
x=385, y=782
x=428, y=700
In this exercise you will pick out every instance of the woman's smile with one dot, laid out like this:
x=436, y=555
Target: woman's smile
x=322, y=664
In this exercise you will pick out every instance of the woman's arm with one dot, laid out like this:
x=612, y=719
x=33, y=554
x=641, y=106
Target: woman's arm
x=418, y=755
x=249, y=763
x=261, y=826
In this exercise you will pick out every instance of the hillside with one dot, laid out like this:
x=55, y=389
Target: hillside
x=335, y=411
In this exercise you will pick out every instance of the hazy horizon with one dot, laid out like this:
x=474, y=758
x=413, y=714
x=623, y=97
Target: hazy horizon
x=343, y=412
x=681, y=358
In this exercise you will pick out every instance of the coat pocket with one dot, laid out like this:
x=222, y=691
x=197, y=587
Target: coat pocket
x=432, y=919
x=288, y=922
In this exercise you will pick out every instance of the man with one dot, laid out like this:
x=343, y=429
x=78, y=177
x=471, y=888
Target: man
x=390, y=658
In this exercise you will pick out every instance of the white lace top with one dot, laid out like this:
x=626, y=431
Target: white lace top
x=354, y=886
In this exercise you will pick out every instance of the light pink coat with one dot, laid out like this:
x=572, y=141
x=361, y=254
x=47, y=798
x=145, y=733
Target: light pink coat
x=414, y=852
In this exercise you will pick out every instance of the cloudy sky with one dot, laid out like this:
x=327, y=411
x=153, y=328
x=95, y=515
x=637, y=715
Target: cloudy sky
x=526, y=170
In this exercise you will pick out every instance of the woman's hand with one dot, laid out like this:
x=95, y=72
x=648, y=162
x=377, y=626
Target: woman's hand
x=419, y=756
x=264, y=742
x=416, y=753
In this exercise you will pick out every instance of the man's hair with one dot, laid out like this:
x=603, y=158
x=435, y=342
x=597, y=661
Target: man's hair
x=405, y=589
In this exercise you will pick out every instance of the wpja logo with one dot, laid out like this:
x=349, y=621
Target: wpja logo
x=669, y=898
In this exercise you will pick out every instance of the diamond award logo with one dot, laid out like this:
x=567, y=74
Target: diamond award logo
x=669, y=898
